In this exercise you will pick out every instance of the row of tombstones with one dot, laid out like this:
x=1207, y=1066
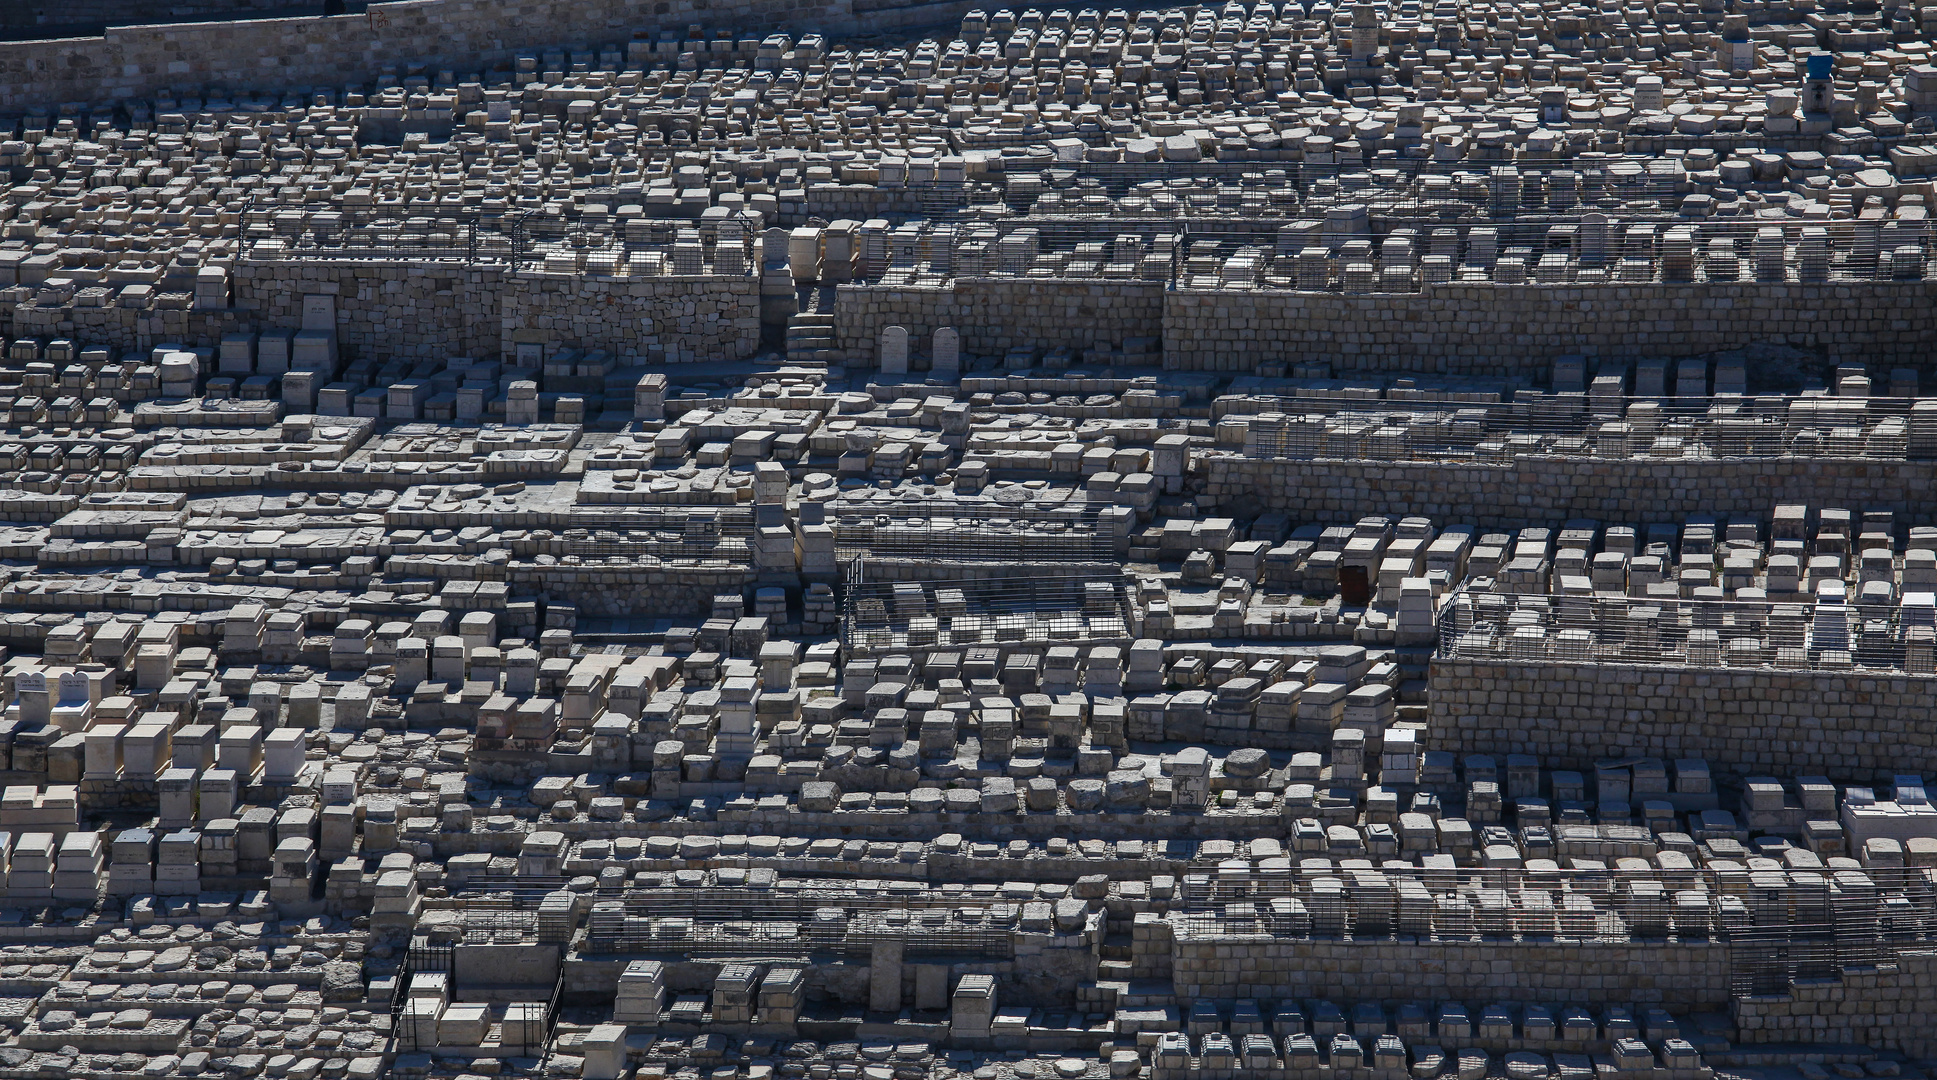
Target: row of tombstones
x=944, y=353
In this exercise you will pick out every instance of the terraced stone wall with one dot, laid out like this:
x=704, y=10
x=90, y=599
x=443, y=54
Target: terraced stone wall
x=441, y=310
x=1533, y=491
x=1487, y=329
x=283, y=55
x=1678, y=976
x=1755, y=721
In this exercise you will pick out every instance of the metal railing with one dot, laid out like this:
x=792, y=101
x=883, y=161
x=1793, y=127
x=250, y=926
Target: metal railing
x=1592, y=425
x=885, y=616
x=1806, y=633
x=405, y=1037
x=553, y=1005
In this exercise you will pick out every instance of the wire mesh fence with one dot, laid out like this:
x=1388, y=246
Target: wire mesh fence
x=487, y=926
x=1352, y=256
x=680, y=535
x=1409, y=188
x=1592, y=425
x=275, y=232
x=1356, y=252
x=1779, y=924
x=954, y=533
x=1305, y=227
x=732, y=922
x=501, y=892
x=636, y=246
x=1807, y=633
x=1389, y=194
x=1799, y=918
x=708, y=520
x=883, y=616
x=589, y=243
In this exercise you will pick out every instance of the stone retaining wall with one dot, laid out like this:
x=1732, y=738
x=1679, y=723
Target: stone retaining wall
x=1682, y=975
x=1543, y=490
x=65, y=18
x=1888, y=1007
x=1751, y=721
x=440, y=310
x=383, y=309
x=286, y=54
x=118, y=328
x=1467, y=329
x=629, y=591
x=1486, y=329
x=45, y=18
x=674, y=319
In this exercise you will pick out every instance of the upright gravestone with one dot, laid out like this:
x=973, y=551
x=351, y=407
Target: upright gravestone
x=1648, y=94
x=319, y=312
x=1594, y=239
x=946, y=351
x=894, y=350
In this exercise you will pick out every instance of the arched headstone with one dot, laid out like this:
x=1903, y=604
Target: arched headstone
x=894, y=350
x=946, y=351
